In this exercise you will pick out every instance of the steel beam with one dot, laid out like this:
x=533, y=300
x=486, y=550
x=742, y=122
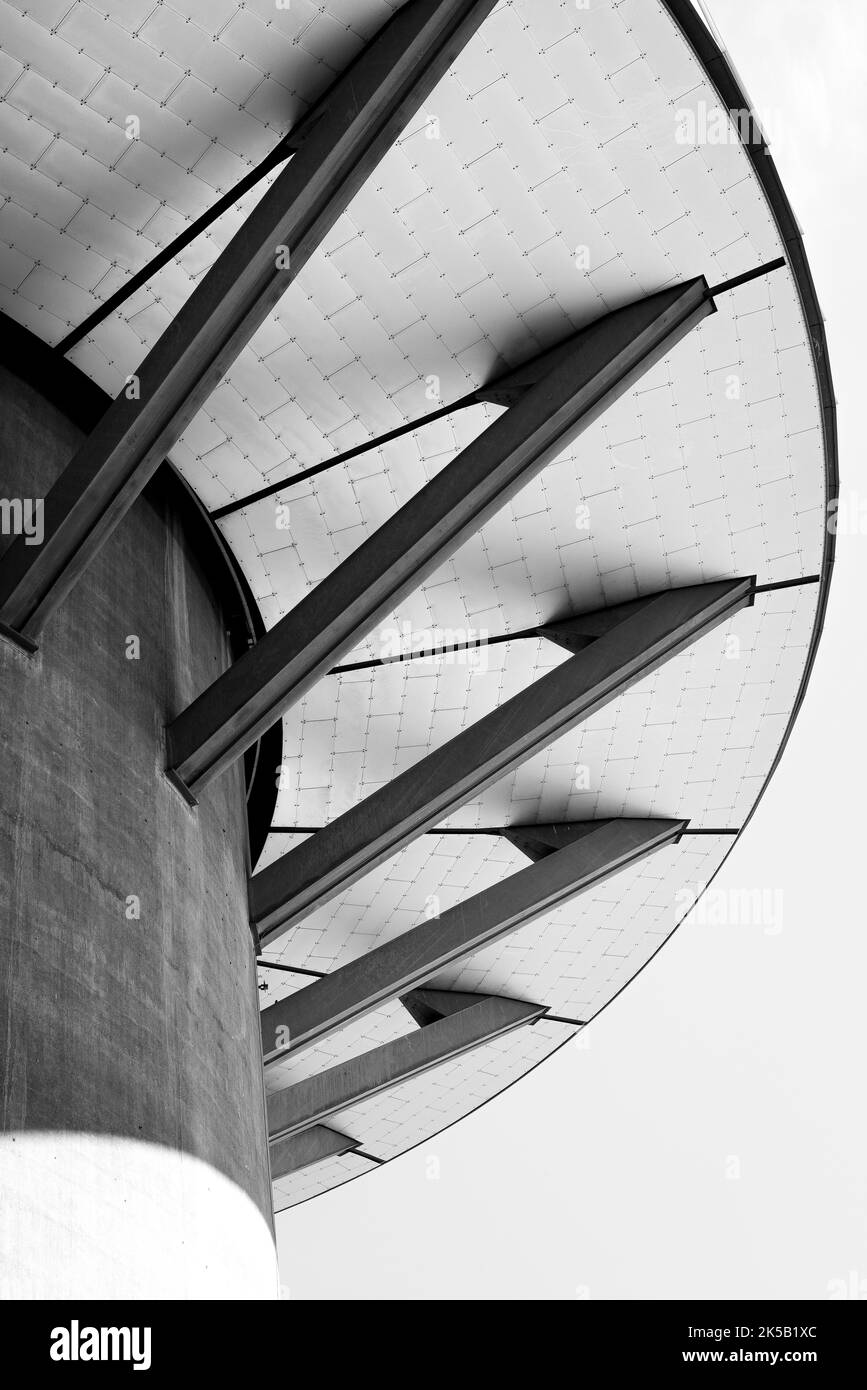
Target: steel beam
x=365, y=111
x=505, y=389
x=569, y=859
x=282, y=484
x=296, y=1151
x=172, y=251
x=475, y=1019
x=635, y=639
x=551, y=400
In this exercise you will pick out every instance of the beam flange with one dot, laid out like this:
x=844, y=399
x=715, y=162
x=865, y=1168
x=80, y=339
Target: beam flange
x=311, y=1101
x=313, y=1145
x=541, y=841
x=573, y=864
x=429, y=1005
x=552, y=406
x=639, y=638
x=343, y=141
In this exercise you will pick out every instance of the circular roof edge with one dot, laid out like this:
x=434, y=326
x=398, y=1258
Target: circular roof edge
x=731, y=93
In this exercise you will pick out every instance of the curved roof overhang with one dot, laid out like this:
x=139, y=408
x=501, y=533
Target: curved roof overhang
x=454, y=264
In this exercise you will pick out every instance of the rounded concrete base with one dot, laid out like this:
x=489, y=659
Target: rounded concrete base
x=133, y=1134
x=139, y=1221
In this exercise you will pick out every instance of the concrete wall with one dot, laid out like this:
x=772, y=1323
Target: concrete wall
x=130, y=1057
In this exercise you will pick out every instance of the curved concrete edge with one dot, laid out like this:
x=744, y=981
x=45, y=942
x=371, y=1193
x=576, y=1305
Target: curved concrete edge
x=82, y=401
x=139, y=1221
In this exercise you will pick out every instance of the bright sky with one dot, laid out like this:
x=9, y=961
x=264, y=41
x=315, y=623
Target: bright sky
x=607, y=1173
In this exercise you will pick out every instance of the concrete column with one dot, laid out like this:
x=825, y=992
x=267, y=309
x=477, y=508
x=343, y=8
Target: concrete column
x=133, y=1139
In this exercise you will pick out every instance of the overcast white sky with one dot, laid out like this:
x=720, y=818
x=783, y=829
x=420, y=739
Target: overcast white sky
x=604, y=1173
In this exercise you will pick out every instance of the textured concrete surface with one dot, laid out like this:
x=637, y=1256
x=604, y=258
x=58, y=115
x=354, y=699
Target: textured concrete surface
x=111, y=1024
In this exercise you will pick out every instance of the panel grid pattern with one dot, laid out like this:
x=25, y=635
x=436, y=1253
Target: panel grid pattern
x=547, y=180
x=411, y=1113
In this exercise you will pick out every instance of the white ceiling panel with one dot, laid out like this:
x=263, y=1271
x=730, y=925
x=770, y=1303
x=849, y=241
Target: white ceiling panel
x=318, y=1178
x=544, y=183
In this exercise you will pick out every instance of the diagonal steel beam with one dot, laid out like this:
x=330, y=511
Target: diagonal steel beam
x=174, y=248
x=281, y=152
x=639, y=637
x=552, y=400
x=598, y=849
x=365, y=111
x=541, y=840
x=480, y=1019
x=497, y=392
x=296, y=1151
